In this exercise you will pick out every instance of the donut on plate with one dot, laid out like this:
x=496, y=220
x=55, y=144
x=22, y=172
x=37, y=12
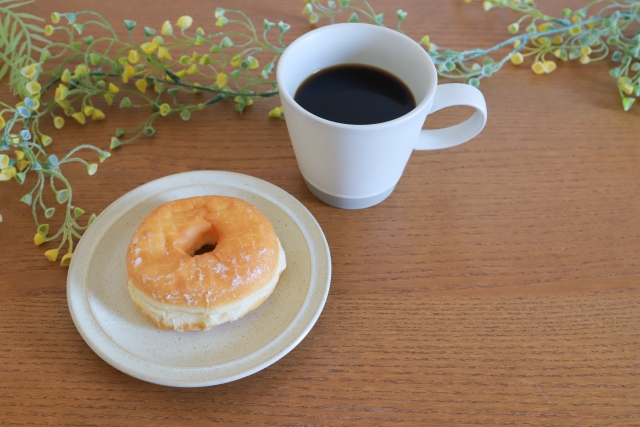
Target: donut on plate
x=179, y=285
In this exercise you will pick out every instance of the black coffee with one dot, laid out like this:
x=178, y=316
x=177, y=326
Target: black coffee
x=355, y=95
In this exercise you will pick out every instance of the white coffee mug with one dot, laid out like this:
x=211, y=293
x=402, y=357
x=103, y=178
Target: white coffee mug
x=358, y=166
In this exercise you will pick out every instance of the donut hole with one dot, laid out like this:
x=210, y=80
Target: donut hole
x=201, y=242
x=206, y=248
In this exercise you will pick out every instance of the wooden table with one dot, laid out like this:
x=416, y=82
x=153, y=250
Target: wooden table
x=499, y=284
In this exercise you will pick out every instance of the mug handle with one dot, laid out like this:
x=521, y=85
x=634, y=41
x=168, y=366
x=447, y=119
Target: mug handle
x=448, y=95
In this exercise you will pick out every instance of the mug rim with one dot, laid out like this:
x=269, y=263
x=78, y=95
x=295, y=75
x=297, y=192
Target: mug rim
x=408, y=116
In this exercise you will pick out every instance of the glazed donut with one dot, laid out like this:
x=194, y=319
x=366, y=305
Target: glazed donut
x=178, y=288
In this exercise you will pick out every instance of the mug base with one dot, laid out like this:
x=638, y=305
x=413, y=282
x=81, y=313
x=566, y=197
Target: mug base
x=346, y=203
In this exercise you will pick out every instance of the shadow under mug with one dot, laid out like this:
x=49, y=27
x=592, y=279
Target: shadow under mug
x=358, y=166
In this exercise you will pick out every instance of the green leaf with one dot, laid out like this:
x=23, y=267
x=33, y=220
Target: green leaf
x=615, y=72
x=173, y=91
x=92, y=168
x=130, y=25
x=26, y=199
x=48, y=213
x=401, y=15
x=78, y=27
x=91, y=219
x=284, y=27
x=148, y=131
x=115, y=143
x=53, y=160
x=185, y=115
x=104, y=155
x=71, y=17
x=20, y=176
x=235, y=74
x=62, y=196
x=353, y=18
x=379, y=17
x=149, y=31
x=475, y=82
x=126, y=103
x=43, y=229
x=487, y=70
x=95, y=58
x=627, y=103
x=226, y=42
x=119, y=132
x=77, y=212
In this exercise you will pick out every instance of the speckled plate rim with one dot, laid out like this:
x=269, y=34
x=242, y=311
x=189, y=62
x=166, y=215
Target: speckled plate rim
x=287, y=340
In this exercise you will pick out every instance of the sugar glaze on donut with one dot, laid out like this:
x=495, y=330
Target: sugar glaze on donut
x=177, y=289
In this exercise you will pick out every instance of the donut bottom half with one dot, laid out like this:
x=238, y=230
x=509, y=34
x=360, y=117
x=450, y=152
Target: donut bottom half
x=184, y=318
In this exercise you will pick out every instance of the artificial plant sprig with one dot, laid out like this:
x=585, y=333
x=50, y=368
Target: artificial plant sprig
x=66, y=79
x=576, y=35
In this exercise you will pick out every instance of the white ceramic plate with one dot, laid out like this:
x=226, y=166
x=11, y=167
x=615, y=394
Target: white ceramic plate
x=116, y=330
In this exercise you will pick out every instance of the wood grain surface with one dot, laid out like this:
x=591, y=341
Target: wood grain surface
x=498, y=285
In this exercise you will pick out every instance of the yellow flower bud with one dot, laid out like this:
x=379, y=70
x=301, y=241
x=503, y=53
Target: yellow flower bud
x=142, y=85
x=235, y=61
x=193, y=69
x=425, y=40
x=134, y=57
x=11, y=171
x=253, y=63
x=181, y=73
x=22, y=164
x=574, y=31
x=2, y=122
x=247, y=102
x=4, y=175
x=19, y=155
x=167, y=29
x=79, y=118
x=163, y=53
x=158, y=40
x=80, y=71
x=538, y=67
x=128, y=73
x=516, y=44
x=48, y=30
x=97, y=114
x=575, y=19
x=66, y=260
x=29, y=71
x=33, y=88
x=66, y=76
x=58, y=122
x=276, y=113
x=113, y=88
x=61, y=92
x=221, y=80
x=586, y=50
x=4, y=161
x=64, y=104
x=51, y=254
x=557, y=40
x=165, y=109
x=46, y=140
x=39, y=238
x=543, y=27
x=109, y=98
x=584, y=59
x=88, y=110
x=184, y=22
x=517, y=58
x=549, y=66
x=55, y=17
x=149, y=47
